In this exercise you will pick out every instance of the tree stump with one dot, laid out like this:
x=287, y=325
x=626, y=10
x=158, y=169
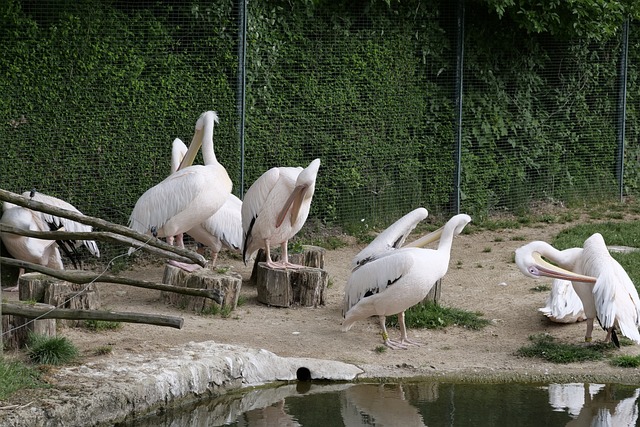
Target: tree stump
x=16, y=329
x=311, y=256
x=283, y=288
x=434, y=294
x=228, y=283
x=59, y=293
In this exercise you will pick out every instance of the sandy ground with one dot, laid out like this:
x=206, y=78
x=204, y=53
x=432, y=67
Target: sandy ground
x=482, y=277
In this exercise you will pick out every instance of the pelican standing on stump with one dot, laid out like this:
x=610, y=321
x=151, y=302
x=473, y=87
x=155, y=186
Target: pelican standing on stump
x=187, y=197
x=40, y=251
x=604, y=287
x=275, y=208
x=222, y=229
x=399, y=280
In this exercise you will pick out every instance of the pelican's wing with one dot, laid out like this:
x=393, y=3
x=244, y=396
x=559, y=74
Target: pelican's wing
x=391, y=238
x=256, y=196
x=376, y=276
x=563, y=304
x=226, y=223
x=155, y=208
x=617, y=299
x=68, y=224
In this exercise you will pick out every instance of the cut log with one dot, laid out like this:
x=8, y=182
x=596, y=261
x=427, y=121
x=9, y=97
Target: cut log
x=311, y=256
x=44, y=311
x=434, y=294
x=16, y=329
x=229, y=284
x=282, y=288
x=41, y=288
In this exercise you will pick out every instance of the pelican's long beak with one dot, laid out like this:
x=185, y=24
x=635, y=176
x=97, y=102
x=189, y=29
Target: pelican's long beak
x=423, y=241
x=192, y=151
x=547, y=269
x=294, y=202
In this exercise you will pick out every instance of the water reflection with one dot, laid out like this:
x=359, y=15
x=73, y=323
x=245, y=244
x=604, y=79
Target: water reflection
x=413, y=404
x=595, y=404
x=380, y=405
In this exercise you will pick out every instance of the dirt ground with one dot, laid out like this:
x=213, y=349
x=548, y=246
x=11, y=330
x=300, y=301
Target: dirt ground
x=482, y=277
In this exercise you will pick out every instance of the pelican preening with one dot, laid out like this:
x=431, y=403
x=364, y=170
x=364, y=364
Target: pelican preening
x=393, y=237
x=275, y=208
x=604, y=287
x=563, y=304
x=189, y=196
x=222, y=229
x=40, y=251
x=397, y=281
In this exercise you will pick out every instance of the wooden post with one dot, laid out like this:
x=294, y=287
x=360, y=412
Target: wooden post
x=227, y=283
x=434, y=294
x=59, y=293
x=283, y=288
x=18, y=328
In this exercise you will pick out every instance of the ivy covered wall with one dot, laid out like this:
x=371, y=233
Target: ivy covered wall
x=92, y=93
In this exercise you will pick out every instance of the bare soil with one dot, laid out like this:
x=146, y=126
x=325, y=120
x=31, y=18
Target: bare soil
x=482, y=277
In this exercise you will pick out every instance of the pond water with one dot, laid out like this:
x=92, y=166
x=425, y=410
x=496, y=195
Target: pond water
x=413, y=404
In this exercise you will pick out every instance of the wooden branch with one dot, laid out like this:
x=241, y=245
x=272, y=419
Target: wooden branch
x=99, y=223
x=33, y=311
x=102, y=236
x=79, y=276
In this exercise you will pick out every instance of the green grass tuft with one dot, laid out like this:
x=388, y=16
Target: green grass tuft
x=545, y=347
x=45, y=350
x=16, y=376
x=626, y=361
x=102, y=325
x=433, y=316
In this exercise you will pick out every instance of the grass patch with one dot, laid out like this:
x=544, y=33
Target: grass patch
x=546, y=347
x=433, y=316
x=541, y=288
x=16, y=376
x=102, y=325
x=45, y=350
x=626, y=361
x=103, y=350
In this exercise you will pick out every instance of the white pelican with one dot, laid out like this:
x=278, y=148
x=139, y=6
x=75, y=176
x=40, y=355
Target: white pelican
x=39, y=251
x=190, y=195
x=222, y=229
x=395, y=282
x=391, y=238
x=275, y=208
x=563, y=304
x=605, y=289
x=178, y=151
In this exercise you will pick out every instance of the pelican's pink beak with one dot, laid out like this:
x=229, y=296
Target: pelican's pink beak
x=544, y=268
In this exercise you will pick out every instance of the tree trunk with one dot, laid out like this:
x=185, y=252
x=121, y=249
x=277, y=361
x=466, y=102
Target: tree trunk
x=434, y=294
x=311, y=256
x=59, y=293
x=228, y=283
x=16, y=328
x=282, y=288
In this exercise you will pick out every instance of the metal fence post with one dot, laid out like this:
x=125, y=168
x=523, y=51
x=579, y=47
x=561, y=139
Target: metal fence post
x=458, y=100
x=242, y=80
